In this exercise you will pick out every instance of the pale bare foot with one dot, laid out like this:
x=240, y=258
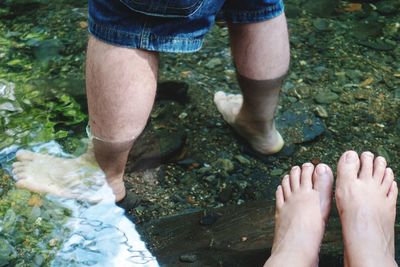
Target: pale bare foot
x=366, y=195
x=66, y=177
x=261, y=136
x=303, y=202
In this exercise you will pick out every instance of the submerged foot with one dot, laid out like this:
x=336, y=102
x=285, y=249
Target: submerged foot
x=66, y=177
x=366, y=195
x=264, y=141
x=303, y=203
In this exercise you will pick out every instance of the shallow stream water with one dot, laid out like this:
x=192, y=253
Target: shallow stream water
x=344, y=78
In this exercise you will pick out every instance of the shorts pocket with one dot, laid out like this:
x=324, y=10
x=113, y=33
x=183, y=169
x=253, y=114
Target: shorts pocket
x=162, y=8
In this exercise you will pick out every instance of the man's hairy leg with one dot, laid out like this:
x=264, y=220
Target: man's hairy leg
x=121, y=86
x=261, y=56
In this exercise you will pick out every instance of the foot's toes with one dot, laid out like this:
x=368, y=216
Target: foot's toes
x=393, y=192
x=388, y=179
x=348, y=166
x=295, y=178
x=323, y=183
x=367, y=165
x=306, y=175
x=18, y=170
x=228, y=105
x=25, y=155
x=379, y=169
x=280, y=199
x=286, y=187
x=21, y=175
x=218, y=96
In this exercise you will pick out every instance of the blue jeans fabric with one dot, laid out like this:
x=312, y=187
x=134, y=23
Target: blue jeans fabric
x=173, y=25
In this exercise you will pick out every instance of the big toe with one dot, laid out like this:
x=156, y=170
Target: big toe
x=348, y=167
x=25, y=155
x=323, y=183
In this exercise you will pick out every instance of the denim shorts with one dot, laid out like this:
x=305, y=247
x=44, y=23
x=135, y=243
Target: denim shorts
x=173, y=25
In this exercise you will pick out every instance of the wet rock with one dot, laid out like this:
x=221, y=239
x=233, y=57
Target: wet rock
x=189, y=258
x=363, y=30
x=321, y=112
x=347, y=98
x=326, y=97
x=287, y=151
x=154, y=148
x=300, y=126
x=361, y=94
x=210, y=178
x=242, y=160
x=276, y=172
x=7, y=252
x=224, y=165
x=173, y=91
x=47, y=50
x=214, y=62
x=381, y=45
x=322, y=24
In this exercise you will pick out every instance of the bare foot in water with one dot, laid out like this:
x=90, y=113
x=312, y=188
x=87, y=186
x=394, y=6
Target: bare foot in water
x=303, y=202
x=66, y=177
x=366, y=195
x=262, y=137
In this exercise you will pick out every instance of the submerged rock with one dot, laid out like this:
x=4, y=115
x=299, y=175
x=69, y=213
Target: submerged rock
x=326, y=97
x=190, y=258
x=154, y=148
x=300, y=126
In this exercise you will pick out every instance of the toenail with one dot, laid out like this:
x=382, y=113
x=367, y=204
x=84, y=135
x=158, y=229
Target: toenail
x=389, y=171
x=321, y=169
x=307, y=164
x=351, y=157
x=381, y=159
x=368, y=154
x=295, y=168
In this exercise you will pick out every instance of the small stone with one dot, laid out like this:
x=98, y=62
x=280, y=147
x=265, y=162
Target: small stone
x=326, y=97
x=190, y=258
x=276, y=172
x=83, y=24
x=183, y=115
x=242, y=160
x=209, y=178
x=321, y=112
x=361, y=94
x=321, y=24
x=214, y=62
x=226, y=165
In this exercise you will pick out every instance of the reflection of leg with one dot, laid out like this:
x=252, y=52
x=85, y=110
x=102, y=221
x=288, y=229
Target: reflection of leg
x=366, y=196
x=303, y=203
x=121, y=85
x=261, y=55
